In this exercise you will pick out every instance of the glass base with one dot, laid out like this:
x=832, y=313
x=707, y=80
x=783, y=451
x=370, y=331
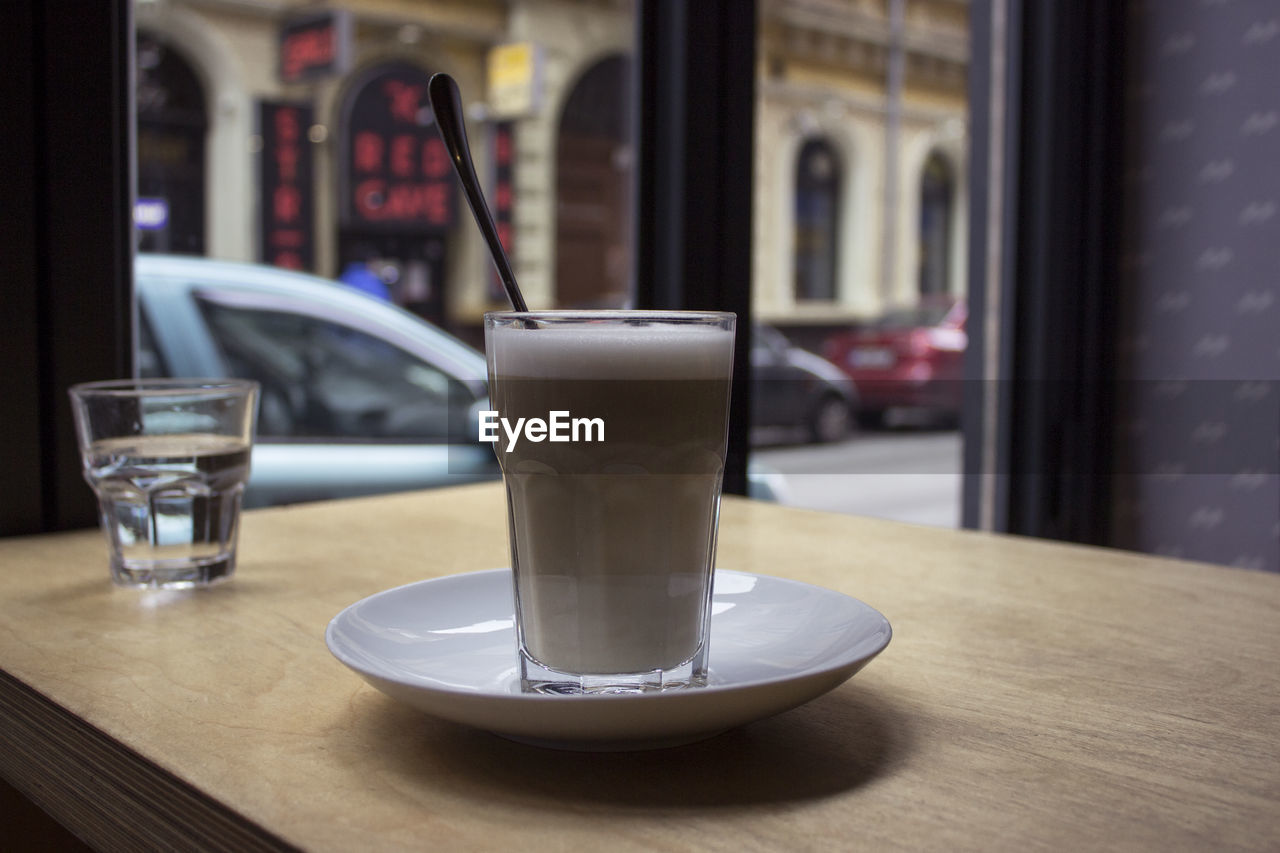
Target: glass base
x=536, y=678
x=171, y=574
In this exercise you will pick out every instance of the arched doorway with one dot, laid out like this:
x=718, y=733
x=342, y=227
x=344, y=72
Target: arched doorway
x=593, y=189
x=397, y=188
x=172, y=127
x=937, y=203
x=818, y=180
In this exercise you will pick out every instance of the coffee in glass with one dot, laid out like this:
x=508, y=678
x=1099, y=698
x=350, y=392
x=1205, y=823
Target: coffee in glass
x=613, y=428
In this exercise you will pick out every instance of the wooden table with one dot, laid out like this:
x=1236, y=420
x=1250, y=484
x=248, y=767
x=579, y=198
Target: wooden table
x=1035, y=695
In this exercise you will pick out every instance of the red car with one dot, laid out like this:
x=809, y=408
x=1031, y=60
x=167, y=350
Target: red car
x=908, y=359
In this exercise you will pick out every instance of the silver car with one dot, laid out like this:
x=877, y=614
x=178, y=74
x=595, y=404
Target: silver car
x=359, y=397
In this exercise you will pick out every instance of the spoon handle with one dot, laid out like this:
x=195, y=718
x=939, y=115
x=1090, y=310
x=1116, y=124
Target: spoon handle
x=446, y=103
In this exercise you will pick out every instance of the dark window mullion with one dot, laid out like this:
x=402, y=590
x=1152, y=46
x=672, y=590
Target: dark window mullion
x=1058, y=266
x=69, y=267
x=695, y=142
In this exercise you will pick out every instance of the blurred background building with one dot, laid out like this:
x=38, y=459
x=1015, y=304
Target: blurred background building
x=298, y=134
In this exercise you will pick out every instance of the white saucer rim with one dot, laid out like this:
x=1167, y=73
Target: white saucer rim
x=840, y=664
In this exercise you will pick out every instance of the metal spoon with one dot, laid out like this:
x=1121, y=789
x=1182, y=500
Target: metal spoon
x=446, y=103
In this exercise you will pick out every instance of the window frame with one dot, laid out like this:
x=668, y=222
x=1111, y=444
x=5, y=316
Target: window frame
x=695, y=140
x=1045, y=96
x=66, y=304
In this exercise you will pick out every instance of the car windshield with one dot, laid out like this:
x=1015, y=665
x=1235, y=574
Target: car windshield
x=324, y=380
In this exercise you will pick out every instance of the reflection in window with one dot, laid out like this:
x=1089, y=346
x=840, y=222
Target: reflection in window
x=818, y=177
x=937, y=192
x=323, y=380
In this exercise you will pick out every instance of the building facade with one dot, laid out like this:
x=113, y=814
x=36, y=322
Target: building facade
x=297, y=134
x=860, y=172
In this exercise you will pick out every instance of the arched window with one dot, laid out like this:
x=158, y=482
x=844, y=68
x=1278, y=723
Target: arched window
x=172, y=125
x=818, y=178
x=937, y=200
x=593, y=185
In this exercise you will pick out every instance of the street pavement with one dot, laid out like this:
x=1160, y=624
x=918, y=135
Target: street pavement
x=906, y=475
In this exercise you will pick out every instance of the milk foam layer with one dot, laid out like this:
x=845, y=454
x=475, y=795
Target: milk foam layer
x=658, y=351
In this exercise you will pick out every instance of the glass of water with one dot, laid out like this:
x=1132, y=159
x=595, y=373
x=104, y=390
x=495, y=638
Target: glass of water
x=168, y=460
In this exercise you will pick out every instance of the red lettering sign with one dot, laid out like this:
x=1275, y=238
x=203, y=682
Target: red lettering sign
x=307, y=49
x=287, y=162
x=292, y=238
x=502, y=148
x=435, y=159
x=287, y=260
x=435, y=200
x=503, y=198
x=378, y=201
x=368, y=152
x=369, y=197
x=402, y=150
x=396, y=171
x=286, y=236
x=286, y=203
x=287, y=125
x=404, y=101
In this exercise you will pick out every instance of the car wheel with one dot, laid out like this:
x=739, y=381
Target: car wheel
x=831, y=421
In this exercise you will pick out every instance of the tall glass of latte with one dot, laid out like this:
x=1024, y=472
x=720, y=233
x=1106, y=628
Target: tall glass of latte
x=610, y=428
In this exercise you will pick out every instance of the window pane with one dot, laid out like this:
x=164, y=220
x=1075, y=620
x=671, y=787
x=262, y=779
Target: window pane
x=818, y=185
x=937, y=214
x=299, y=136
x=859, y=282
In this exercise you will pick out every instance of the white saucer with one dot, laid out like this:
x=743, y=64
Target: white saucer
x=447, y=646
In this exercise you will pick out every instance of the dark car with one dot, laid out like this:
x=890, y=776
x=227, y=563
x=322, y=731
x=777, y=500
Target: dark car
x=910, y=359
x=798, y=389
